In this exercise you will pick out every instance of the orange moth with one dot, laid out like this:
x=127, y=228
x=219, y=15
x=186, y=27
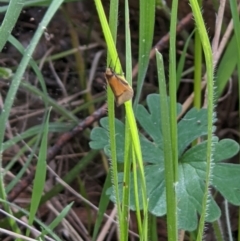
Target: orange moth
x=120, y=87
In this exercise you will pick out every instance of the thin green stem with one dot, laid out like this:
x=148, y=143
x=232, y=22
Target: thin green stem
x=173, y=87
x=197, y=71
x=210, y=103
x=168, y=154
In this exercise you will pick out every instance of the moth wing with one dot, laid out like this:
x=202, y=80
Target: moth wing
x=121, y=89
x=116, y=85
x=125, y=96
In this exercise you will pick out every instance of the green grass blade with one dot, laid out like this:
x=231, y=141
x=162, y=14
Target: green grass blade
x=17, y=79
x=20, y=173
x=236, y=25
x=173, y=87
x=126, y=180
x=128, y=45
x=136, y=193
x=129, y=113
x=210, y=104
x=218, y=230
x=146, y=25
x=112, y=56
x=13, y=11
x=35, y=91
x=40, y=175
x=57, y=220
x=23, y=65
x=68, y=178
x=127, y=144
x=53, y=127
x=26, y=213
x=108, y=35
x=181, y=62
x=168, y=157
x=34, y=66
x=226, y=66
x=11, y=163
x=197, y=71
x=153, y=232
x=113, y=19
